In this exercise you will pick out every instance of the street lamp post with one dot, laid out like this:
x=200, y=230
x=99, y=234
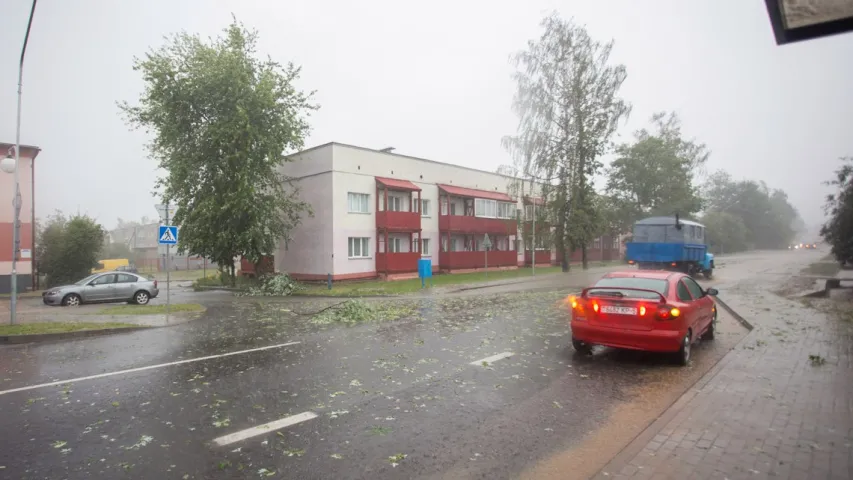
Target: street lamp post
x=16, y=201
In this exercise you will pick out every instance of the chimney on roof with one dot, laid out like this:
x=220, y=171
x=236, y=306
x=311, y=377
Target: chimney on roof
x=387, y=150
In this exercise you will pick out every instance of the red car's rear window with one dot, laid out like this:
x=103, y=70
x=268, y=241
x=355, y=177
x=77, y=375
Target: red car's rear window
x=653, y=284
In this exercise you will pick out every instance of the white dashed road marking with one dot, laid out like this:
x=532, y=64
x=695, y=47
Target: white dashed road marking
x=493, y=358
x=150, y=367
x=262, y=429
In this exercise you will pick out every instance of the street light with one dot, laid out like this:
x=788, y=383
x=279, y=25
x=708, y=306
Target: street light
x=8, y=164
x=13, y=165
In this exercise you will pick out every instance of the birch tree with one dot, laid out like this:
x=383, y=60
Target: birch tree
x=568, y=108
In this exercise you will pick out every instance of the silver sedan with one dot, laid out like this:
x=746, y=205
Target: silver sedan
x=102, y=288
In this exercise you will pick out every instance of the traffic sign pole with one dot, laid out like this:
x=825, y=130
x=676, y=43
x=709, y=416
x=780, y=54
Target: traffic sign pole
x=168, y=235
x=168, y=272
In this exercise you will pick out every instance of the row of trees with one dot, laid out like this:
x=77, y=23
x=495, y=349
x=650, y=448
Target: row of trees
x=568, y=104
x=221, y=118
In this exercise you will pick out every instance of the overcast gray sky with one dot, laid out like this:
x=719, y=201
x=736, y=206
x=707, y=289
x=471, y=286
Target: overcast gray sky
x=432, y=81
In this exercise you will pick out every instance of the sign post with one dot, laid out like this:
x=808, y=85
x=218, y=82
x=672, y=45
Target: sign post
x=168, y=236
x=487, y=244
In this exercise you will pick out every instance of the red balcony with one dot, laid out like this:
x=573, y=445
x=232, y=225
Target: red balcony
x=398, y=221
x=542, y=257
x=469, y=260
x=403, y=262
x=471, y=224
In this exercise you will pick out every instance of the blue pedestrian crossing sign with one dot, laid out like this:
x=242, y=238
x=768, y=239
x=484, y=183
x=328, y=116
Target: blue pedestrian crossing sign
x=168, y=235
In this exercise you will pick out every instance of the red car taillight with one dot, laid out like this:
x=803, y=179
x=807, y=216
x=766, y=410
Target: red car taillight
x=666, y=312
x=580, y=305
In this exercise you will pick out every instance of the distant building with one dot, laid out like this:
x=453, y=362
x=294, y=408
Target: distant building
x=26, y=253
x=143, y=241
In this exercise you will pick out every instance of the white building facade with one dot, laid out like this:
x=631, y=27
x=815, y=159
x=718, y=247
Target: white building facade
x=376, y=213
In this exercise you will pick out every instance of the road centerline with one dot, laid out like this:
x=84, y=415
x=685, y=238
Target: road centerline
x=492, y=359
x=149, y=367
x=262, y=429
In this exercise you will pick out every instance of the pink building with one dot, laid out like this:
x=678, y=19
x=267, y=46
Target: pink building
x=27, y=218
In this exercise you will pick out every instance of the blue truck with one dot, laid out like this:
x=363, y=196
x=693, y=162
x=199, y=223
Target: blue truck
x=669, y=243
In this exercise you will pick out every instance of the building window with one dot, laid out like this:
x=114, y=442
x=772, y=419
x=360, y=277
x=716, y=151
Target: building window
x=358, y=203
x=493, y=209
x=615, y=243
x=425, y=248
x=395, y=204
x=425, y=208
x=359, y=247
x=596, y=243
x=394, y=245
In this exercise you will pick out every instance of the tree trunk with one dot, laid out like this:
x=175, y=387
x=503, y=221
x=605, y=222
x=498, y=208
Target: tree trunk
x=232, y=275
x=584, y=260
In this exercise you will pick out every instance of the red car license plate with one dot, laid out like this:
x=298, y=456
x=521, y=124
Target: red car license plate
x=619, y=310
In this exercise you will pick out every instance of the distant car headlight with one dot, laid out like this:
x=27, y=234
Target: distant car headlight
x=52, y=292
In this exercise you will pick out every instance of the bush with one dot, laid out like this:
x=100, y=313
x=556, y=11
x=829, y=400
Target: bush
x=67, y=248
x=274, y=285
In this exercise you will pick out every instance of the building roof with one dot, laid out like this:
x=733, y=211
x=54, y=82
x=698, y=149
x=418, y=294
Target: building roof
x=666, y=221
x=387, y=152
x=33, y=150
x=397, y=184
x=473, y=192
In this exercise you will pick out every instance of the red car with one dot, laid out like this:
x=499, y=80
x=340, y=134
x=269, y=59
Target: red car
x=655, y=311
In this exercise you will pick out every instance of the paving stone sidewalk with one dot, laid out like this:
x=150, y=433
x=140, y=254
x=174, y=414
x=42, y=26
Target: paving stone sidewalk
x=779, y=406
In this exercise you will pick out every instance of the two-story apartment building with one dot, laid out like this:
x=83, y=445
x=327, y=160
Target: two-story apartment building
x=376, y=213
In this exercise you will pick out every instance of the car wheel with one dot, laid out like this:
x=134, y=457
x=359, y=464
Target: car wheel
x=709, y=334
x=709, y=274
x=581, y=347
x=141, y=297
x=71, y=300
x=683, y=355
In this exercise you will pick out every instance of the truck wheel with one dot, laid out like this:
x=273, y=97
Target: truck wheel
x=709, y=274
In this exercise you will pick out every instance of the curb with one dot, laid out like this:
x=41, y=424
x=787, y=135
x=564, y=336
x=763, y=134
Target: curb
x=733, y=313
x=49, y=337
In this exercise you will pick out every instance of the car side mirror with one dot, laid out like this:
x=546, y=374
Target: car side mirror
x=712, y=292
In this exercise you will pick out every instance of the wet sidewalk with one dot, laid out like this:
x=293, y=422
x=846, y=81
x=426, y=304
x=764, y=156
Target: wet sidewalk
x=779, y=406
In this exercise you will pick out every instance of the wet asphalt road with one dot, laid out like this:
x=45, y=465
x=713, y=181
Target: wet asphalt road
x=402, y=392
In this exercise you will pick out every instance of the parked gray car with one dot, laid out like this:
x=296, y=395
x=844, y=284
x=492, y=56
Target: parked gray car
x=102, y=288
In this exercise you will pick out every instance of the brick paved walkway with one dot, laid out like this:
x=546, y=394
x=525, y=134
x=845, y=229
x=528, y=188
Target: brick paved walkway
x=766, y=411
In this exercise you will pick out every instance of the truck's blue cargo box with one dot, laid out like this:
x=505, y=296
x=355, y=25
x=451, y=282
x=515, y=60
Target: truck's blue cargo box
x=664, y=252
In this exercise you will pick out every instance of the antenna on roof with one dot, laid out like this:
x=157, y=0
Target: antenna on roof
x=387, y=150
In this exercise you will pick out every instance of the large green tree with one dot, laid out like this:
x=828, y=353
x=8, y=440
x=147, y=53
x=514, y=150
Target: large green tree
x=67, y=248
x=838, y=230
x=568, y=107
x=222, y=120
x=654, y=174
